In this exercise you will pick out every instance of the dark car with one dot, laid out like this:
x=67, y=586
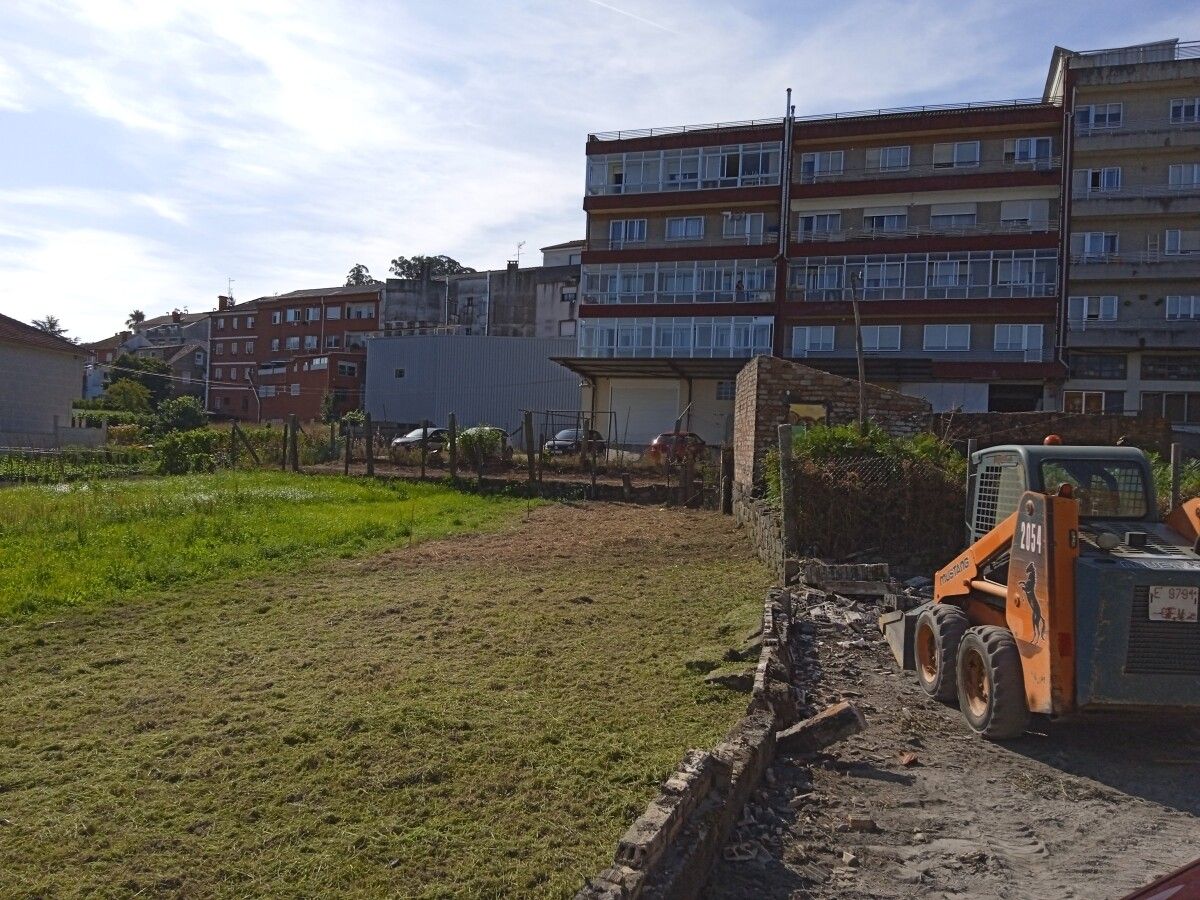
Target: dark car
x=570, y=441
x=676, y=446
x=436, y=440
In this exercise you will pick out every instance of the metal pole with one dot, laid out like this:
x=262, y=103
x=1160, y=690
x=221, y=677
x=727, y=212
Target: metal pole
x=858, y=352
x=1176, y=468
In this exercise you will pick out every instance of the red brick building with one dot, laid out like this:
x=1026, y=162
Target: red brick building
x=277, y=356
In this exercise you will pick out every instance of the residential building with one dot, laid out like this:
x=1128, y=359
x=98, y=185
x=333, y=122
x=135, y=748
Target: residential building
x=231, y=385
x=537, y=301
x=942, y=221
x=1132, y=312
x=100, y=355
x=480, y=379
x=557, y=302
x=42, y=376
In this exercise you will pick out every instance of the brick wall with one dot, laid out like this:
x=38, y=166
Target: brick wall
x=766, y=384
x=990, y=429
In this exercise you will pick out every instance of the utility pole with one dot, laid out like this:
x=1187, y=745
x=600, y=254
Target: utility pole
x=856, y=280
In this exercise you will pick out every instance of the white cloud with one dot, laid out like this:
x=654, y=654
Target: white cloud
x=10, y=89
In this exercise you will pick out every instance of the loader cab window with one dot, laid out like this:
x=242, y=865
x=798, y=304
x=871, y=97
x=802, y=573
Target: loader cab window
x=1105, y=489
x=999, y=486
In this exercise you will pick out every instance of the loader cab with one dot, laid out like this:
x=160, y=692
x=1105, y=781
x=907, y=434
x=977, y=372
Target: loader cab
x=1110, y=483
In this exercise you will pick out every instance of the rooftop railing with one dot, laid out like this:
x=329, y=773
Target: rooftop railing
x=1163, y=51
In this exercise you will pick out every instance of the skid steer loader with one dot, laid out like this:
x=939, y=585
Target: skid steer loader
x=1073, y=595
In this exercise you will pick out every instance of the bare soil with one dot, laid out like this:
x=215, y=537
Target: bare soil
x=1073, y=809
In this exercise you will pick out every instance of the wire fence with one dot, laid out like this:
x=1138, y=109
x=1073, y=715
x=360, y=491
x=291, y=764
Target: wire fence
x=28, y=466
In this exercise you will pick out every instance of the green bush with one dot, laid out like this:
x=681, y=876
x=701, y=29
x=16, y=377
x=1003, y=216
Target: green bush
x=128, y=395
x=181, y=452
x=94, y=418
x=181, y=414
x=128, y=435
x=481, y=444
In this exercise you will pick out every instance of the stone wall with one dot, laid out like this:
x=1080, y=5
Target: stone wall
x=990, y=429
x=767, y=384
x=763, y=527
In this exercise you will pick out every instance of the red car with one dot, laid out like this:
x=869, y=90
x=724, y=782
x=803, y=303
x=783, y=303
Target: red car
x=676, y=446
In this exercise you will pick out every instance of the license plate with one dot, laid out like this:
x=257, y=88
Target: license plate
x=1169, y=603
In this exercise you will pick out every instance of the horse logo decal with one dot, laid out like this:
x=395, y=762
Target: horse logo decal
x=1029, y=586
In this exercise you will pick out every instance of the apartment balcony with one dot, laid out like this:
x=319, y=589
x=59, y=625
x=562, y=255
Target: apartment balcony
x=1137, y=264
x=761, y=245
x=1138, y=134
x=926, y=177
x=919, y=238
x=871, y=293
x=1135, y=334
x=1141, y=200
x=670, y=298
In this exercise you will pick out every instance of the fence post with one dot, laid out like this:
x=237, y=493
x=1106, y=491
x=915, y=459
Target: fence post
x=686, y=477
x=727, y=481
x=369, y=441
x=349, y=440
x=529, y=452
x=583, y=442
x=968, y=513
x=294, y=441
x=424, y=445
x=787, y=494
x=1176, y=469
x=284, y=457
x=452, y=427
x=233, y=439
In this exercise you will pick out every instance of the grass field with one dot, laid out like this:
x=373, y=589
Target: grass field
x=477, y=716
x=92, y=542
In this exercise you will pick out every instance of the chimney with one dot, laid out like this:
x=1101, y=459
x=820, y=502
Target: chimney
x=512, y=265
x=176, y=315
x=224, y=302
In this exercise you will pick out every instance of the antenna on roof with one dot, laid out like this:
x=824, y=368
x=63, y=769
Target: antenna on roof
x=229, y=288
x=519, y=246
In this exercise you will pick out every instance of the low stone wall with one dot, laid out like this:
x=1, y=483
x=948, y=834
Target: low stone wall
x=763, y=527
x=670, y=849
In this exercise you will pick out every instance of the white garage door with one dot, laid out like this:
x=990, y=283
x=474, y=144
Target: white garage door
x=643, y=408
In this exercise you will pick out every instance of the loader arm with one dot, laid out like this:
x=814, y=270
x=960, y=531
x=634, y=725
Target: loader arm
x=958, y=579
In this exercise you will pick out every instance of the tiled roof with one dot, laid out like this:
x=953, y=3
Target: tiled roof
x=343, y=291
x=15, y=332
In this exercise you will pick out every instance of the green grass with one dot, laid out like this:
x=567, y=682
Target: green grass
x=476, y=717
x=93, y=542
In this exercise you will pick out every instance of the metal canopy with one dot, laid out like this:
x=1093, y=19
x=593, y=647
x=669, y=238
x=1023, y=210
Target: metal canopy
x=657, y=367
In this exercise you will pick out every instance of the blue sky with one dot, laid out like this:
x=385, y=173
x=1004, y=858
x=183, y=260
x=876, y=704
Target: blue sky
x=149, y=149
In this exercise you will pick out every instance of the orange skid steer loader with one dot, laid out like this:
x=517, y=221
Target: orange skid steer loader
x=1072, y=596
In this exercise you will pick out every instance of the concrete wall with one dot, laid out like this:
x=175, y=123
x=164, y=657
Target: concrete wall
x=36, y=385
x=479, y=379
x=709, y=416
x=412, y=300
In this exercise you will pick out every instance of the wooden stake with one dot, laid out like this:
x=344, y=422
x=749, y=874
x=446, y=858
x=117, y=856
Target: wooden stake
x=349, y=437
x=452, y=426
x=424, y=445
x=530, y=450
x=294, y=441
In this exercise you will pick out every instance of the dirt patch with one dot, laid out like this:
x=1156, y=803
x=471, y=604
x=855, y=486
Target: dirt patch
x=447, y=720
x=916, y=806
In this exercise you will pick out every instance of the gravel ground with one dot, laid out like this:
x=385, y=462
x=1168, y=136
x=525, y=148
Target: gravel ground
x=916, y=806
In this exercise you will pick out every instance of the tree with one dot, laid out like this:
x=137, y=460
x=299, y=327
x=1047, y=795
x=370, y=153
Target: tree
x=181, y=414
x=50, y=325
x=422, y=268
x=328, y=408
x=127, y=394
x=136, y=318
x=359, y=274
x=153, y=374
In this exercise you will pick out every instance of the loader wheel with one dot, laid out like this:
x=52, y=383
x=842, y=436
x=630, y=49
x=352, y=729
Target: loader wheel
x=991, y=685
x=939, y=630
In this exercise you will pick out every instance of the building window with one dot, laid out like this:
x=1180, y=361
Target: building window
x=310, y=342
x=1025, y=213
x=1096, y=181
x=333, y=312
x=679, y=336
x=361, y=311
x=1027, y=151
x=685, y=228
x=274, y=345
x=347, y=368
x=1018, y=337
x=1089, y=402
x=1099, y=366
x=880, y=338
x=220, y=324
x=959, y=155
x=198, y=358
x=726, y=390
x=1185, y=111
x=293, y=314
x=626, y=231
x=952, y=216
x=1185, y=175
x=219, y=348
x=887, y=159
x=814, y=166
x=1094, y=244
x=1183, y=307
x=883, y=275
x=249, y=322
x=742, y=225
x=1092, y=309
x=313, y=314
x=1177, y=241
x=266, y=390
x=569, y=296
x=235, y=323
x=218, y=373
x=885, y=218
x=1171, y=368
x=332, y=341
x=819, y=223
x=811, y=339
x=947, y=337
x=949, y=273
x=399, y=373
x=292, y=343
x=1181, y=408
x=1100, y=115
x=233, y=348
x=276, y=316
x=734, y=165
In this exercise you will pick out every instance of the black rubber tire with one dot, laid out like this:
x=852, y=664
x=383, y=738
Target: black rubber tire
x=945, y=625
x=1002, y=714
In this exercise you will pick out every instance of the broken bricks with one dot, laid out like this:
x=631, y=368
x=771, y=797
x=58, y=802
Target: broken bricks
x=833, y=724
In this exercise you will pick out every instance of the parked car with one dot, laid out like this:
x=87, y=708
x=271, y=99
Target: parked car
x=436, y=440
x=676, y=446
x=570, y=441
